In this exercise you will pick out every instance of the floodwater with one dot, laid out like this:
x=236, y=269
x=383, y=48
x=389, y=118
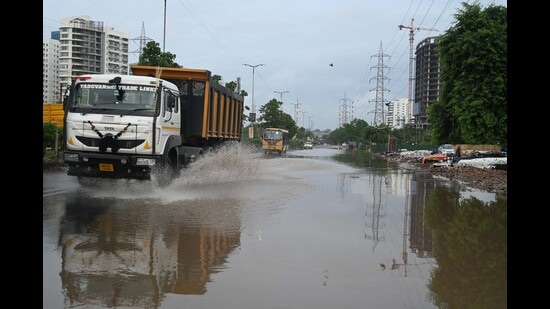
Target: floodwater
x=321, y=228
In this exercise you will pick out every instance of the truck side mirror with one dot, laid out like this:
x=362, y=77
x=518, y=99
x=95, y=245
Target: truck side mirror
x=171, y=102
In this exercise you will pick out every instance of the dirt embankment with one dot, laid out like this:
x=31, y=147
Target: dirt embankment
x=490, y=180
x=486, y=179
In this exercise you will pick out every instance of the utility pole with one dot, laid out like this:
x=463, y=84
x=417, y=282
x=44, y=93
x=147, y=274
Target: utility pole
x=412, y=29
x=164, y=35
x=281, y=93
x=296, y=108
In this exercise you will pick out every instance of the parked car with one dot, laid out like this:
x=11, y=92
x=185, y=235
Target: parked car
x=308, y=145
x=447, y=149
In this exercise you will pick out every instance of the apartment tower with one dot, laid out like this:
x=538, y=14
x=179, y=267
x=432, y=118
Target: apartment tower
x=90, y=47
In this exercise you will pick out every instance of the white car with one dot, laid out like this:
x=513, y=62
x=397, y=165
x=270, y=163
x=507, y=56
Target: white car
x=447, y=149
x=308, y=145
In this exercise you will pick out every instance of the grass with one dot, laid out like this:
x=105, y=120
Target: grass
x=51, y=157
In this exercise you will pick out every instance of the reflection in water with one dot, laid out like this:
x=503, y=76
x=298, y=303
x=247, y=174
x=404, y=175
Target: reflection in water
x=421, y=236
x=132, y=253
x=442, y=222
x=471, y=250
x=373, y=224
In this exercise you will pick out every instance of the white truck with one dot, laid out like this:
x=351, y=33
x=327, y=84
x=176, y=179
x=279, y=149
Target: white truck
x=155, y=121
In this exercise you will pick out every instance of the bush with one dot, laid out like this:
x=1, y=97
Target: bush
x=48, y=133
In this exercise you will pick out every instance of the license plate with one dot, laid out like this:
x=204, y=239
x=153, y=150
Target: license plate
x=106, y=167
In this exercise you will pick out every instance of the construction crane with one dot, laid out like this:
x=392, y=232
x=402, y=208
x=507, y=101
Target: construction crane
x=412, y=29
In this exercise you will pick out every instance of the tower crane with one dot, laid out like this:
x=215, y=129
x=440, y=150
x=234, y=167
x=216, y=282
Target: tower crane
x=412, y=29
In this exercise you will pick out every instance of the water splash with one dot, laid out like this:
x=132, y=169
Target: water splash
x=233, y=171
x=232, y=162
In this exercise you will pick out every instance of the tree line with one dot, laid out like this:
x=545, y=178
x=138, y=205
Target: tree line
x=472, y=105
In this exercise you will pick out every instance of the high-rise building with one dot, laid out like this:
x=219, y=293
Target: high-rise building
x=50, y=71
x=427, y=82
x=396, y=116
x=90, y=47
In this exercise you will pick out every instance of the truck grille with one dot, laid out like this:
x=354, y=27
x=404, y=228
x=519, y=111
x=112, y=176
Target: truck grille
x=123, y=144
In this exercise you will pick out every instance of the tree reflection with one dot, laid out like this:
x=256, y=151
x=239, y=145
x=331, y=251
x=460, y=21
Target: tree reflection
x=470, y=248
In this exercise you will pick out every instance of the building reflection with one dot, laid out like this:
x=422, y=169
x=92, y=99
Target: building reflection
x=417, y=237
x=132, y=253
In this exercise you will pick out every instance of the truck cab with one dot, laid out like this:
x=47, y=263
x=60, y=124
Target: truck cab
x=120, y=126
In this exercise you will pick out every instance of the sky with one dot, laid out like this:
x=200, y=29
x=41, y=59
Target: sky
x=283, y=49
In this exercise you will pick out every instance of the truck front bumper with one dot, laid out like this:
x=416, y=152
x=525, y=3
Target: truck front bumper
x=108, y=165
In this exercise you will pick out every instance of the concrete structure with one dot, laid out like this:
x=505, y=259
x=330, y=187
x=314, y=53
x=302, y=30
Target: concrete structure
x=396, y=117
x=50, y=71
x=427, y=83
x=88, y=46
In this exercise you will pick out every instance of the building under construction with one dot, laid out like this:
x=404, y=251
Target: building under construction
x=427, y=83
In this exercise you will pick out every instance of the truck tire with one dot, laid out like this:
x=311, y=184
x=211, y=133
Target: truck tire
x=169, y=171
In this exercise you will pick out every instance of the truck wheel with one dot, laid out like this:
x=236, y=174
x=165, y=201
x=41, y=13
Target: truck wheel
x=168, y=172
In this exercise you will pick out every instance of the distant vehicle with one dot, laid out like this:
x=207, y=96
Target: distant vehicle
x=447, y=149
x=308, y=145
x=275, y=140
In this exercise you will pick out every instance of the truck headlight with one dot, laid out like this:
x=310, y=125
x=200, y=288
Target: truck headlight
x=73, y=157
x=145, y=161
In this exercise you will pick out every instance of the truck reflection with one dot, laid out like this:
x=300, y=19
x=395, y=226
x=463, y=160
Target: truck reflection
x=132, y=253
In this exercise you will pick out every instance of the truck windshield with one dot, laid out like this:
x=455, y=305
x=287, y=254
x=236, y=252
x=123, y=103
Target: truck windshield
x=107, y=99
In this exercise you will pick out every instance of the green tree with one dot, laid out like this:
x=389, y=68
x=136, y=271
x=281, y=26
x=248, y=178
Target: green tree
x=233, y=86
x=49, y=131
x=273, y=117
x=216, y=78
x=337, y=136
x=377, y=135
x=472, y=106
x=152, y=55
x=356, y=130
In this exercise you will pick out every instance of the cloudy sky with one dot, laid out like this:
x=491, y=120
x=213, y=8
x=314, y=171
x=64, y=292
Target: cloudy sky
x=295, y=40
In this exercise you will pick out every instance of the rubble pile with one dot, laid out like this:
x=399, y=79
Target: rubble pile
x=487, y=174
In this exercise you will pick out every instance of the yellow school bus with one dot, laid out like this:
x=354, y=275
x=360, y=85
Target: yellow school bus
x=275, y=140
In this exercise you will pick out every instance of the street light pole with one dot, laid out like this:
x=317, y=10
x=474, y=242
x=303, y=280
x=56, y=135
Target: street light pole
x=281, y=93
x=253, y=68
x=164, y=34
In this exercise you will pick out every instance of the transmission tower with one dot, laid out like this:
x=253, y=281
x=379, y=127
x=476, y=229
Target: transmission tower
x=345, y=111
x=142, y=39
x=296, y=110
x=380, y=89
x=412, y=29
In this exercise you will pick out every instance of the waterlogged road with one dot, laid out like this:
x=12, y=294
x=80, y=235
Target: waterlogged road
x=319, y=228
